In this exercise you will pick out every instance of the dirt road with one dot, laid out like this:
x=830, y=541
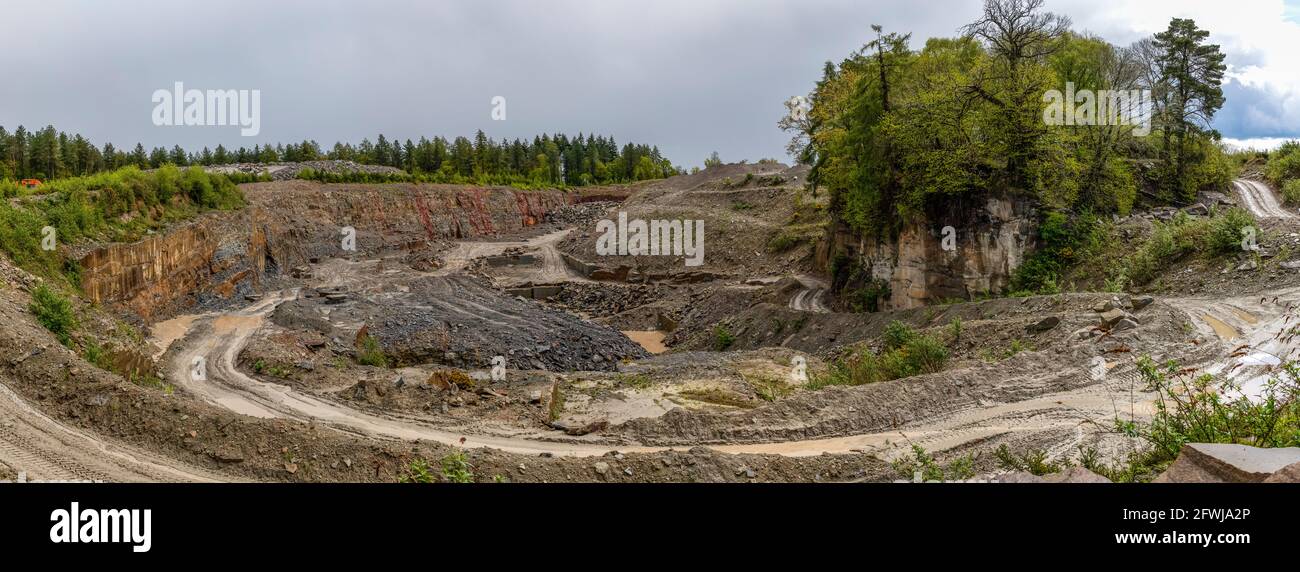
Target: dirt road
x=1258, y=333
x=1260, y=200
x=812, y=298
x=218, y=339
x=36, y=447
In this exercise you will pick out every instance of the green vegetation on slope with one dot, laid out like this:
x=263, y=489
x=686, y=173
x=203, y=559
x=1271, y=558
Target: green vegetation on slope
x=894, y=132
x=904, y=353
x=1283, y=171
x=118, y=206
x=54, y=311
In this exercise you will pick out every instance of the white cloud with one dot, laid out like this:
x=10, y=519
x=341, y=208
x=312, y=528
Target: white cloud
x=1258, y=36
x=1256, y=143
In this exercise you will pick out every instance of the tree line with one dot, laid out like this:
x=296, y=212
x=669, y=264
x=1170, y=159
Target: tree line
x=892, y=127
x=546, y=159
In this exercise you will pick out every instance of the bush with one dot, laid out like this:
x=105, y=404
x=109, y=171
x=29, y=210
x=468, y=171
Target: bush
x=456, y=468
x=117, y=206
x=1063, y=242
x=869, y=297
x=371, y=353
x=1193, y=408
x=1291, y=192
x=923, y=467
x=1033, y=461
x=722, y=338
x=1183, y=236
x=1284, y=163
x=905, y=353
x=94, y=353
x=1225, y=230
x=897, y=335
x=54, y=312
x=417, y=472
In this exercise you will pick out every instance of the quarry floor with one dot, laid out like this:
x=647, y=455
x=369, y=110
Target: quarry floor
x=679, y=412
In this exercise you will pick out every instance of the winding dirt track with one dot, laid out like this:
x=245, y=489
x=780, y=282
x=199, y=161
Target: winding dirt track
x=812, y=298
x=1260, y=200
x=37, y=447
x=1256, y=329
x=43, y=448
x=218, y=339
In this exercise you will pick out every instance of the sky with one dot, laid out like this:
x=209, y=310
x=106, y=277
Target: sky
x=691, y=76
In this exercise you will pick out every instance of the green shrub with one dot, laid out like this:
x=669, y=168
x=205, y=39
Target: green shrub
x=1291, y=192
x=869, y=297
x=1225, y=232
x=722, y=338
x=1284, y=163
x=117, y=206
x=1191, y=408
x=1184, y=236
x=418, y=471
x=1063, y=242
x=1033, y=461
x=905, y=353
x=371, y=353
x=897, y=335
x=94, y=353
x=456, y=468
x=54, y=312
x=923, y=467
x=783, y=241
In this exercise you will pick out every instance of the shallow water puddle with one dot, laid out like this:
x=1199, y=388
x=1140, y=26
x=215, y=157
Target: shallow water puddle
x=651, y=340
x=1221, y=328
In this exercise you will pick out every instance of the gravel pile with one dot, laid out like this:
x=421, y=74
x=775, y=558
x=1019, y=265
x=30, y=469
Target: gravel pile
x=581, y=215
x=286, y=171
x=460, y=322
x=600, y=300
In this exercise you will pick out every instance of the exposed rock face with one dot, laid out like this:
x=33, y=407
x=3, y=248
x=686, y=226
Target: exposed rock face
x=165, y=273
x=223, y=255
x=991, y=235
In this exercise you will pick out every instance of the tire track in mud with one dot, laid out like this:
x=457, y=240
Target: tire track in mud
x=44, y=449
x=1260, y=200
x=811, y=298
x=1258, y=333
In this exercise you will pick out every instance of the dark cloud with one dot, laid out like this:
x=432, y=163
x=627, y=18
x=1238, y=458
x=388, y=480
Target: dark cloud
x=690, y=76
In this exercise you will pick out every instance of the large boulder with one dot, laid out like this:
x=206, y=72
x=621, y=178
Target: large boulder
x=1287, y=474
x=1113, y=316
x=1222, y=463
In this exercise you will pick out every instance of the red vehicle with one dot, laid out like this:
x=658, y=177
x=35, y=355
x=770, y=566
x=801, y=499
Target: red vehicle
x=30, y=183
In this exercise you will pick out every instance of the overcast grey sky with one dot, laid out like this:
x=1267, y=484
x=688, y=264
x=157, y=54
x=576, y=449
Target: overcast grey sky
x=691, y=76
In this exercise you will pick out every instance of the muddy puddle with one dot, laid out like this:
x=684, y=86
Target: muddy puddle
x=651, y=340
x=164, y=333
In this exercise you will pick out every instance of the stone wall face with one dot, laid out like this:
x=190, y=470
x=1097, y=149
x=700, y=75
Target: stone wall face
x=225, y=254
x=992, y=236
